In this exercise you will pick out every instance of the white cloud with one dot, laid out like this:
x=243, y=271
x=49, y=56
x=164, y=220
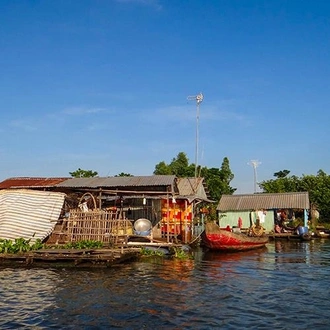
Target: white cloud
x=23, y=125
x=189, y=113
x=77, y=111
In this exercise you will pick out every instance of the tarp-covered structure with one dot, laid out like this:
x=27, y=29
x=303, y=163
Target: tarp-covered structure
x=29, y=214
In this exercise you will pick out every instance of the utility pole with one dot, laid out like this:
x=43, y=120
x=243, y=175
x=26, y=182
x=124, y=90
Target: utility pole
x=199, y=99
x=254, y=164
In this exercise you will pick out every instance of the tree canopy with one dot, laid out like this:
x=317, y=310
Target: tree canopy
x=124, y=174
x=318, y=187
x=281, y=174
x=79, y=173
x=217, y=179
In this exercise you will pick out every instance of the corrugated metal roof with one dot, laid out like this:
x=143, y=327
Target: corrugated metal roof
x=120, y=181
x=29, y=214
x=295, y=200
x=193, y=188
x=188, y=186
x=29, y=182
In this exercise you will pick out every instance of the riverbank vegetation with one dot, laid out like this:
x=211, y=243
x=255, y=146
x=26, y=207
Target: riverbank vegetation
x=21, y=245
x=173, y=253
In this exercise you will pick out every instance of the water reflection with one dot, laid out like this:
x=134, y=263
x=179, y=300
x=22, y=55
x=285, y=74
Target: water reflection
x=271, y=287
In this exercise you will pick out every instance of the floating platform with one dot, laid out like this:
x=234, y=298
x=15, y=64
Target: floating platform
x=71, y=257
x=289, y=236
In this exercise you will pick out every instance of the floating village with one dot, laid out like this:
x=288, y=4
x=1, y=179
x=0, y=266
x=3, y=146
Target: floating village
x=102, y=221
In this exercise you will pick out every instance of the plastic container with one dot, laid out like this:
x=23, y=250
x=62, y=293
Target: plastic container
x=236, y=230
x=302, y=230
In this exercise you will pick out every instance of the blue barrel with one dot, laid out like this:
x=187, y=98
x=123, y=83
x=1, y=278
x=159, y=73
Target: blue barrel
x=302, y=230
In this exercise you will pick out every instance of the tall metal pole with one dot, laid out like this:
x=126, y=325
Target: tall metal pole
x=254, y=164
x=199, y=99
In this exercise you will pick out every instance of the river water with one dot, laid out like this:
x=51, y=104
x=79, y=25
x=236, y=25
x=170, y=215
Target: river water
x=284, y=286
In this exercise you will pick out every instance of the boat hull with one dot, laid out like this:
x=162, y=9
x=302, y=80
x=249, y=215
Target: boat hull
x=222, y=240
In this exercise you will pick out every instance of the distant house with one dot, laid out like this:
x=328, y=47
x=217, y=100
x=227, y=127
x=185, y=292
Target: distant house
x=240, y=210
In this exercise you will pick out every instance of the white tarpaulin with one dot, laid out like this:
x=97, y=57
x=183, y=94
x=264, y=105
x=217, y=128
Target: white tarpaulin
x=29, y=214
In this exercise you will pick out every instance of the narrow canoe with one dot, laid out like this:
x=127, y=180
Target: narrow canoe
x=219, y=239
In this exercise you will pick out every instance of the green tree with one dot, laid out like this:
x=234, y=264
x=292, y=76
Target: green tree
x=318, y=188
x=281, y=174
x=281, y=185
x=79, y=173
x=124, y=174
x=217, y=179
x=226, y=176
x=179, y=166
x=162, y=169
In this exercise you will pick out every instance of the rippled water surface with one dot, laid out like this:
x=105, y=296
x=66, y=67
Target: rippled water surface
x=284, y=286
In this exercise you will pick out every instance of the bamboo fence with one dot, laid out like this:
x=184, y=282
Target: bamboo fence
x=97, y=225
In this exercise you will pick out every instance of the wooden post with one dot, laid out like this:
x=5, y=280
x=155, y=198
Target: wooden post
x=168, y=218
x=185, y=221
x=174, y=220
x=100, y=199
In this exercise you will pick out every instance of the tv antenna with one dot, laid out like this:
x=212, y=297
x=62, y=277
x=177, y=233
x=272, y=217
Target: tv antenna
x=199, y=99
x=254, y=164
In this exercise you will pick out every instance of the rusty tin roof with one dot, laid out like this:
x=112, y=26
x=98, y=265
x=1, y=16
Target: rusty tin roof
x=30, y=182
x=293, y=200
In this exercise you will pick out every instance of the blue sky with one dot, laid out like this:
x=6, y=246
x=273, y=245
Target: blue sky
x=103, y=85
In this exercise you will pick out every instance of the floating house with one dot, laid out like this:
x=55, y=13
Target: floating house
x=243, y=210
x=105, y=208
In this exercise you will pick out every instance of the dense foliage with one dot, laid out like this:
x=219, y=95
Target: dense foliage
x=123, y=174
x=19, y=245
x=217, y=179
x=318, y=187
x=79, y=173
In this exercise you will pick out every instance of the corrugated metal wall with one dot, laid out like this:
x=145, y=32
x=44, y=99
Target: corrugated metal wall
x=29, y=214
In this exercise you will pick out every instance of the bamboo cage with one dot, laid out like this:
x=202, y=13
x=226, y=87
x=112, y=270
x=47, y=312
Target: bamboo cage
x=98, y=226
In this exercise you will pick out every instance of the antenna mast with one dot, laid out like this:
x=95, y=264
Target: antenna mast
x=199, y=99
x=254, y=164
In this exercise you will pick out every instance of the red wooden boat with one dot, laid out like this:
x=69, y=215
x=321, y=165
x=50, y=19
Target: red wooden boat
x=216, y=238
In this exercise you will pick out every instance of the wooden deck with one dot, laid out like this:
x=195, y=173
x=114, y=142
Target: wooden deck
x=72, y=257
x=287, y=236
